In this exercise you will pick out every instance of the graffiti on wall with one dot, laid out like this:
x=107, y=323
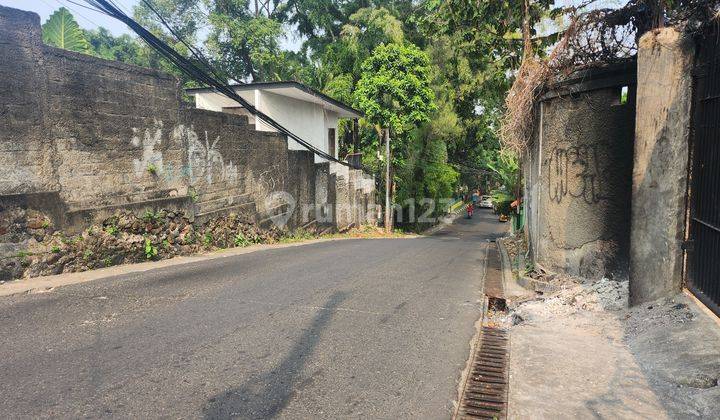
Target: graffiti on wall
x=573, y=171
x=204, y=159
x=205, y=162
x=150, y=157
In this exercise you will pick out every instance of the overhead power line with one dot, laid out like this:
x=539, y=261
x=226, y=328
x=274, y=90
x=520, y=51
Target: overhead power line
x=192, y=70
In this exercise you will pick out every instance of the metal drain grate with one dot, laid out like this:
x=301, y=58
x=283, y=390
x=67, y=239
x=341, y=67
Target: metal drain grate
x=485, y=393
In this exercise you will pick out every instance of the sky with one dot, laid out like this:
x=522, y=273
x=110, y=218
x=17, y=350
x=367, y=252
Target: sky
x=87, y=19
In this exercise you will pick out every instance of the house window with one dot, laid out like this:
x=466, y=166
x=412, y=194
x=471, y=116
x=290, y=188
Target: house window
x=331, y=142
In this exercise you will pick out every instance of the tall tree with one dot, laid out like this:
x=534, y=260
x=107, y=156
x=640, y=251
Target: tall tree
x=394, y=92
x=394, y=88
x=122, y=48
x=185, y=17
x=246, y=44
x=478, y=46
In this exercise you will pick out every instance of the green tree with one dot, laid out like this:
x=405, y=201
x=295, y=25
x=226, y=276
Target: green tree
x=425, y=180
x=477, y=46
x=394, y=88
x=506, y=166
x=395, y=95
x=185, y=17
x=123, y=48
x=245, y=46
x=62, y=31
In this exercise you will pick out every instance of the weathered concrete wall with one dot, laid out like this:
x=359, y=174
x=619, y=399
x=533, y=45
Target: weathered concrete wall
x=25, y=151
x=579, y=193
x=103, y=136
x=106, y=121
x=662, y=131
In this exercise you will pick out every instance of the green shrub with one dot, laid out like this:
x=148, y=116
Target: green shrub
x=193, y=195
x=501, y=202
x=503, y=207
x=207, y=239
x=189, y=238
x=149, y=216
x=150, y=250
x=241, y=241
x=22, y=254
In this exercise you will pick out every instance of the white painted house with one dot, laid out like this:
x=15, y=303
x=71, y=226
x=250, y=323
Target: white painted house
x=309, y=114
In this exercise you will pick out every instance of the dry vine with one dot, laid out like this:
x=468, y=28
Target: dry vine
x=592, y=39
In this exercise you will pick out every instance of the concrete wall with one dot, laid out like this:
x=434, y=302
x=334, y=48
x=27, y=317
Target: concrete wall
x=532, y=186
x=101, y=136
x=24, y=159
x=662, y=131
x=577, y=174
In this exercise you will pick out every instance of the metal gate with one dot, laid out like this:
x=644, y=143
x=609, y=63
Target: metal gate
x=703, y=275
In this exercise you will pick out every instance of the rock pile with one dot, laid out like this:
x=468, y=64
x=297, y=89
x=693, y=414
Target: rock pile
x=32, y=248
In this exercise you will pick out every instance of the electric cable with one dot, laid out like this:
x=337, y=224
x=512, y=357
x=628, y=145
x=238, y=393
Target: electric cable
x=193, y=71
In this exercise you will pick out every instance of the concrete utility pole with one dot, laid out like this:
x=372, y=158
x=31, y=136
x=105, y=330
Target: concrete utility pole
x=388, y=211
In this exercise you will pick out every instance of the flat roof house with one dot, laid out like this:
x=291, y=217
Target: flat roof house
x=304, y=111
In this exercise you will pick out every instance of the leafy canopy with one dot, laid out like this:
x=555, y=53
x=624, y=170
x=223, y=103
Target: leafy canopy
x=394, y=88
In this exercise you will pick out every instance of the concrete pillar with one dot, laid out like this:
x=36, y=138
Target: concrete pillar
x=662, y=130
x=25, y=146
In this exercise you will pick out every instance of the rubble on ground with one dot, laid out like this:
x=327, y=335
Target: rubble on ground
x=663, y=313
x=573, y=296
x=516, y=247
x=660, y=359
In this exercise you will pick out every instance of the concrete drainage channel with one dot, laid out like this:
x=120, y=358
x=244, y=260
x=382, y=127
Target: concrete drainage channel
x=485, y=391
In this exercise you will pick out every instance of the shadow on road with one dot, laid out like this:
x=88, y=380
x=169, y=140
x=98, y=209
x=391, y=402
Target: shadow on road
x=265, y=396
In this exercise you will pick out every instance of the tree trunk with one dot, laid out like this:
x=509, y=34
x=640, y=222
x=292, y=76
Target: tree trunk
x=355, y=137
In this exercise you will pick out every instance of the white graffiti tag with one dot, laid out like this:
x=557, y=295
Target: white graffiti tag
x=204, y=159
x=151, y=158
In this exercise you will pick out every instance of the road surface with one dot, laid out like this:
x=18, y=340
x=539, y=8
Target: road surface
x=371, y=328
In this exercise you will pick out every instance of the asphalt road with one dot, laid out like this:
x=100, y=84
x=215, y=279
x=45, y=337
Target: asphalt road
x=344, y=329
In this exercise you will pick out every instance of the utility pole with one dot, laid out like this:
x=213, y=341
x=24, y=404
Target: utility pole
x=388, y=211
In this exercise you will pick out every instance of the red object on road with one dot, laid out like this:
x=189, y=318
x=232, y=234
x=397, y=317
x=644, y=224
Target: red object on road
x=469, y=209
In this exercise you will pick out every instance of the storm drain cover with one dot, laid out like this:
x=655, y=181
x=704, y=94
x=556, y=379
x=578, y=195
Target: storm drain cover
x=486, y=387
